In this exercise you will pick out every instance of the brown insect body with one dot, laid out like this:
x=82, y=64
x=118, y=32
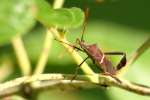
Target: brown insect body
x=98, y=57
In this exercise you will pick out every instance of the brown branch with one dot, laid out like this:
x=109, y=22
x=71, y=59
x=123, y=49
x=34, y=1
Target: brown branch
x=53, y=80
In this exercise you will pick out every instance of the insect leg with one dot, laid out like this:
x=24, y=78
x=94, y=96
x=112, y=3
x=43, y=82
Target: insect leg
x=122, y=61
x=114, y=53
x=86, y=13
x=77, y=69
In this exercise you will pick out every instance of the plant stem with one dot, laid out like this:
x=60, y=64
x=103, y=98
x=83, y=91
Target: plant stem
x=139, y=51
x=21, y=54
x=136, y=54
x=47, y=44
x=44, y=54
x=57, y=80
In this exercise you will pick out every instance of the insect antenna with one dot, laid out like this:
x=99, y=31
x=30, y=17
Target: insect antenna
x=86, y=13
x=73, y=46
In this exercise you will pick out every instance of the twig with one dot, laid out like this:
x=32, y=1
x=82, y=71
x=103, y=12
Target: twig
x=139, y=51
x=53, y=80
x=136, y=54
x=21, y=55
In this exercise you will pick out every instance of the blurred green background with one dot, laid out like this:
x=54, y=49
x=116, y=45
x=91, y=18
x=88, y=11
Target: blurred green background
x=115, y=25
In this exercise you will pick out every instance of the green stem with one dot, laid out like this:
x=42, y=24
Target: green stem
x=139, y=51
x=47, y=44
x=21, y=54
x=44, y=54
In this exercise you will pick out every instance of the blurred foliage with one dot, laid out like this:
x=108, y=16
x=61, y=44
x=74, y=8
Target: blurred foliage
x=115, y=25
x=58, y=17
x=16, y=18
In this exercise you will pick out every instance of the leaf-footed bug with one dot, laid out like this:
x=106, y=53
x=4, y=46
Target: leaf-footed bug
x=97, y=56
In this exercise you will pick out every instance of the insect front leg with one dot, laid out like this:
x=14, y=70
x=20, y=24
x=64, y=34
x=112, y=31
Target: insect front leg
x=78, y=67
x=123, y=60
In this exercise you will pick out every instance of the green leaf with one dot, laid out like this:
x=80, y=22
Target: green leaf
x=61, y=18
x=16, y=17
x=68, y=18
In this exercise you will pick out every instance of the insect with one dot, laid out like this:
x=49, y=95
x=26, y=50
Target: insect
x=98, y=56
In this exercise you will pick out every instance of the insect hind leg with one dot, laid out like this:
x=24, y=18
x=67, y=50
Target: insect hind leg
x=123, y=60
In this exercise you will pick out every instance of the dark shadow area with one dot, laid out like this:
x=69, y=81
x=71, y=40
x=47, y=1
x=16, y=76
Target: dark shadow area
x=94, y=94
x=131, y=13
x=73, y=94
